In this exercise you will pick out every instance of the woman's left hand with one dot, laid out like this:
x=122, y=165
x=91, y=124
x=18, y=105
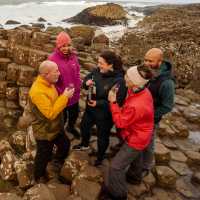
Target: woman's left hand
x=92, y=103
x=112, y=96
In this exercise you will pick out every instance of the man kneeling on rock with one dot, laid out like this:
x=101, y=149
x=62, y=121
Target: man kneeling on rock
x=47, y=125
x=135, y=119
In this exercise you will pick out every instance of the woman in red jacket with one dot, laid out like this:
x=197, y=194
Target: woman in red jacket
x=135, y=120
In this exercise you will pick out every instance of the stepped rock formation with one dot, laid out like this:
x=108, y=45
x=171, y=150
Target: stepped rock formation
x=108, y=14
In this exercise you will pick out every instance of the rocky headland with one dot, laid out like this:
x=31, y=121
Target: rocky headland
x=108, y=14
x=176, y=175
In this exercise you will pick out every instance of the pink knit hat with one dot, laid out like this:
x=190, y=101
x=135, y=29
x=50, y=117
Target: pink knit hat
x=62, y=39
x=135, y=77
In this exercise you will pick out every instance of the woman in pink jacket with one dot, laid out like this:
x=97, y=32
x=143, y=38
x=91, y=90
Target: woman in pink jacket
x=69, y=68
x=135, y=120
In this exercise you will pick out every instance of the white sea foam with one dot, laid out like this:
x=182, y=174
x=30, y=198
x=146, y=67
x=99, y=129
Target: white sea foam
x=65, y=3
x=194, y=136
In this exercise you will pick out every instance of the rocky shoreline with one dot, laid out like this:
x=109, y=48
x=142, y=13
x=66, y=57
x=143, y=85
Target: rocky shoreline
x=176, y=174
x=175, y=29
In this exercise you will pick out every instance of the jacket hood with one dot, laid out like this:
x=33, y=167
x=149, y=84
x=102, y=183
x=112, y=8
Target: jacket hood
x=166, y=68
x=115, y=73
x=58, y=52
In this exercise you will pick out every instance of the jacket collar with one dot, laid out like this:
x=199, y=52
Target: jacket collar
x=136, y=92
x=111, y=73
x=165, y=68
x=41, y=80
x=58, y=52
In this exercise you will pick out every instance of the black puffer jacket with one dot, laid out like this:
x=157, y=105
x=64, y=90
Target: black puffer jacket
x=104, y=82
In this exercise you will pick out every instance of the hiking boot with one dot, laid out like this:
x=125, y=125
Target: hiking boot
x=133, y=181
x=106, y=195
x=80, y=147
x=74, y=132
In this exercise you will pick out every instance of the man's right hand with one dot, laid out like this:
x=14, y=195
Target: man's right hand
x=68, y=92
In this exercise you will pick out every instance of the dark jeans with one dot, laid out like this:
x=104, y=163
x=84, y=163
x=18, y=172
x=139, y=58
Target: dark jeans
x=44, y=153
x=103, y=132
x=120, y=167
x=147, y=155
x=71, y=114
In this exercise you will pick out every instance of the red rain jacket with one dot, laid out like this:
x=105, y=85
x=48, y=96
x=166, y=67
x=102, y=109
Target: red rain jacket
x=135, y=118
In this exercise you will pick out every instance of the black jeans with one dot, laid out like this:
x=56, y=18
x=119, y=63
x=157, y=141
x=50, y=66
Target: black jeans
x=44, y=153
x=103, y=132
x=71, y=114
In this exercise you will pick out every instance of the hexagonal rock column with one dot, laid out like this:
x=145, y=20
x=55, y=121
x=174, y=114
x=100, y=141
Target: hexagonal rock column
x=39, y=192
x=91, y=193
x=162, y=154
x=73, y=164
x=165, y=176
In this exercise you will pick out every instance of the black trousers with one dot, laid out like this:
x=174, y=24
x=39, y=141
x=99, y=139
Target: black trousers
x=71, y=114
x=103, y=132
x=44, y=153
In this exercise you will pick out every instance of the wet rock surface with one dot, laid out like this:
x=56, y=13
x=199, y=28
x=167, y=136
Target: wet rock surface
x=184, y=187
x=12, y=22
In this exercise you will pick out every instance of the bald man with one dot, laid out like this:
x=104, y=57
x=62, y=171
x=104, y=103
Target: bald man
x=47, y=109
x=162, y=88
x=153, y=58
x=162, y=85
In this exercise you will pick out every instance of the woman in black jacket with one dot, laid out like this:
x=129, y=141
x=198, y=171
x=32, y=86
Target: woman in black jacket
x=109, y=73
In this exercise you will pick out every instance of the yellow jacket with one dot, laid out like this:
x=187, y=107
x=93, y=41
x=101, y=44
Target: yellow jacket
x=47, y=108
